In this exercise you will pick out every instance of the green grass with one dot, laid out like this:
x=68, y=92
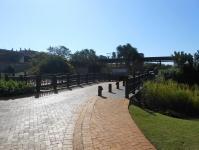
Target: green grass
x=167, y=133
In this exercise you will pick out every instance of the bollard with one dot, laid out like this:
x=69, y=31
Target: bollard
x=117, y=85
x=123, y=83
x=110, y=88
x=100, y=88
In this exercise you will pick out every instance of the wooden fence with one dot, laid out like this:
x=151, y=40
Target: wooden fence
x=134, y=83
x=56, y=82
x=42, y=83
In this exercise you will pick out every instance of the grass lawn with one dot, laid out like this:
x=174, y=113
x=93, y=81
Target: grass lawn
x=167, y=133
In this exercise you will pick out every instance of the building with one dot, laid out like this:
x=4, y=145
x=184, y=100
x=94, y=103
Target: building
x=19, y=60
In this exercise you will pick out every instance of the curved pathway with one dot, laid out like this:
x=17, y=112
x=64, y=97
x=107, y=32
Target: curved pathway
x=76, y=119
x=106, y=124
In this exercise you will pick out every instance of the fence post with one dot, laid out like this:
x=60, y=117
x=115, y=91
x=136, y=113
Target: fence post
x=38, y=83
x=6, y=77
x=92, y=78
x=78, y=79
x=98, y=77
x=109, y=77
x=21, y=78
x=103, y=77
x=138, y=82
x=54, y=83
x=86, y=78
x=135, y=84
x=127, y=88
x=68, y=81
x=26, y=79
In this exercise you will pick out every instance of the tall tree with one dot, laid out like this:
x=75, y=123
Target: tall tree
x=127, y=52
x=196, y=58
x=181, y=58
x=43, y=63
x=55, y=64
x=113, y=55
x=60, y=51
x=130, y=54
x=86, y=58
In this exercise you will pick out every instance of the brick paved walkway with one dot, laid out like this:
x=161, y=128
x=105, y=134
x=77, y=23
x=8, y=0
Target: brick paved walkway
x=69, y=120
x=106, y=124
x=42, y=123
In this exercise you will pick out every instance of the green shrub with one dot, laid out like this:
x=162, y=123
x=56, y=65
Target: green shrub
x=14, y=88
x=171, y=97
x=186, y=75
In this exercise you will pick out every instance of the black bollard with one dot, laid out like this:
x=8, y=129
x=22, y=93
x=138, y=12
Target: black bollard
x=110, y=88
x=123, y=83
x=117, y=85
x=100, y=88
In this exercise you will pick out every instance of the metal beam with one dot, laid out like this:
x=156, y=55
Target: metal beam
x=146, y=59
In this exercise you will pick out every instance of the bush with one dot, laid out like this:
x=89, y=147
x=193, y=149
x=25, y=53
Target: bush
x=186, y=75
x=14, y=88
x=171, y=97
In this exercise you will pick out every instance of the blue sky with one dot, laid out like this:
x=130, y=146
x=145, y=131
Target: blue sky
x=154, y=27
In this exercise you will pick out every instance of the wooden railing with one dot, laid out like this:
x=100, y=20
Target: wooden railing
x=134, y=83
x=56, y=82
